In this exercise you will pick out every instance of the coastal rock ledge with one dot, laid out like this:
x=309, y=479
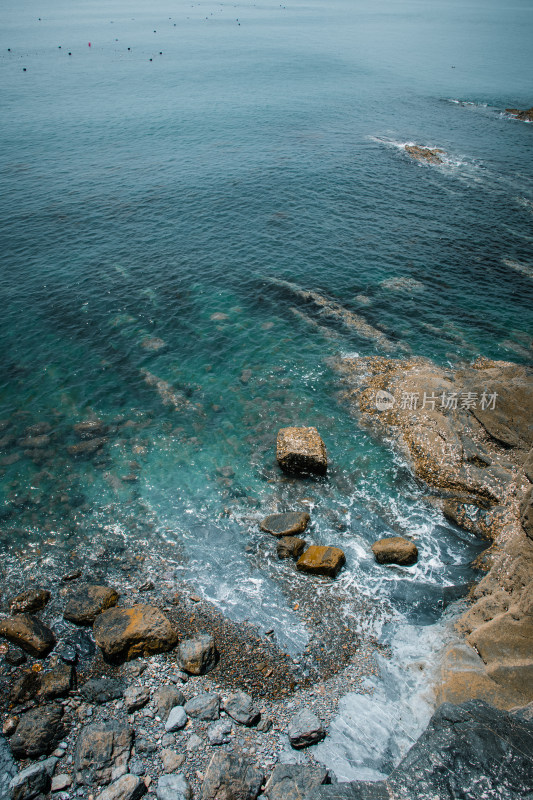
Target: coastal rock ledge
x=301, y=451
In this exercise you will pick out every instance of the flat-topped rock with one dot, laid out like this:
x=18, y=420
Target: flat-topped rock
x=526, y=114
x=431, y=155
x=102, y=690
x=301, y=451
x=290, y=547
x=28, y=632
x=320, y=560
x=126, y=633
x=395, y=550
x=84, y=603
x=286, y=524
x=29, y=601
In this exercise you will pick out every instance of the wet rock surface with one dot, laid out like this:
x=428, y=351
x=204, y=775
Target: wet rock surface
x=427, y=154
x=290, y=547
x=526, y=115
x=321, y=560
x=102, y=690
x=301, y=451
x=29, y=633
x=126, y=633
x=29, y=601
x=395, y=550
x=84, y=603
x=285, y=524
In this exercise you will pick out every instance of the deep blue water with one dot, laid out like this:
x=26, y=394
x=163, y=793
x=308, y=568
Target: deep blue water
x=194, y=198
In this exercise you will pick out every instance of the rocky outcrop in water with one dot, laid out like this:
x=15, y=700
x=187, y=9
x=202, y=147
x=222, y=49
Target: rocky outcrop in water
x=285, y=524
x=395, y=550
x=427, y=154
x=84, y=603
x=320, y=560
x=301, y=451
x=468, y=435
x=525, y=115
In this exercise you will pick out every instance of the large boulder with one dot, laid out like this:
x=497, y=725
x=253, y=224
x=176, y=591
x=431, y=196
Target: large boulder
x=305, y=729
x=395, y=550
x=173, y=787
x=28, y=632
x=231, y=777
x=467, y=752
x=198, y=655
x=126, y=633
x=301, y=451
x=102, y=753
x=286, y=524
x=38, y=732
x=84, y=603
x=320, y=560
x=294, y=781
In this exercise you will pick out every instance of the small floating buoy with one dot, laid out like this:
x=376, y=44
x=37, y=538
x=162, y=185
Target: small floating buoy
x=89, y=44
x=70, y=53
x=24, y=69
x=150, y=59
x=59, y=47
x=129, y=48
x=8, y=49
x=160, y=52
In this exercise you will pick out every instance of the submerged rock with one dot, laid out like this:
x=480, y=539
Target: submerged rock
x=525, y=115
x=29, y=601
x=126, y=633
x=90, y=428
x=301, y=451
x=230, y=776
x=305, y=729
x=290, y=547
x=87, y=447
x=395, y=550
x=432, y=156
x=29, y=633
x=285, y=524
x=84, y=603
x=38, y=732
x=198, y=655
x=320, y=560
x=102, y=753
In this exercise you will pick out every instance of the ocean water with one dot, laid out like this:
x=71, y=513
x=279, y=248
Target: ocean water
x=199, y=213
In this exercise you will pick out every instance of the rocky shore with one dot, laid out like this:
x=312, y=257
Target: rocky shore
x=468, y=436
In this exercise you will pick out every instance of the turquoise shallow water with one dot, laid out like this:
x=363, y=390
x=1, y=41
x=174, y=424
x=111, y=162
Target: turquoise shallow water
x=161, y=222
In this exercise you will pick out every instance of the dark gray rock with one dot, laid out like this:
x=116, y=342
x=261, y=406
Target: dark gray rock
x=8, y=768
x=229, y=777
x=467, y=752
x=177, y=719
x=38, y=732
x=359, y=790
x=102, y=753
x=57, y=683
x=30, y=783
x=29, y=601
x=166, y=698
x=173, y=787
x=84, y=603
x=204, y=706
x=524, y=712
x=102, y=690
x=240, y=707
x=305, y=729
x=15, y=656
x=219, y=732
x=294, y=781
x=25, y=687
x=198, y=655
x=285, y=524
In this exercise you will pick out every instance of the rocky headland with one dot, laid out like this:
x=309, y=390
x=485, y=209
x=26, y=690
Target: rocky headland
x=468, y=435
